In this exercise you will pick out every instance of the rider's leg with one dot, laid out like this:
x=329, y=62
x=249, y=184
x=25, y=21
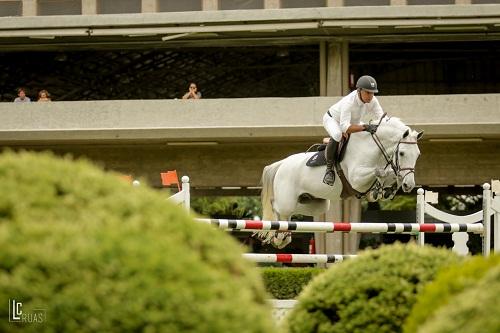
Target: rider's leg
x=331, y=152
x=333, y=128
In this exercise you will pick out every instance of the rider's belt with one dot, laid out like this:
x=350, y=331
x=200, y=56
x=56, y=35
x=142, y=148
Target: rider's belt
x=329, y=113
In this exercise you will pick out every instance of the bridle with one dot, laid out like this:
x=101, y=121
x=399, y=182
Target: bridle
x=394, y=162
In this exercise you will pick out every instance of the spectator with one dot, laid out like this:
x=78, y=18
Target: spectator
x=193, y=92
x=43, y=96
x=21, y=96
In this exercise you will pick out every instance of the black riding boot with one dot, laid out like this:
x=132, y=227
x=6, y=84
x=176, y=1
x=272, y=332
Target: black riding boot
x=331, y=151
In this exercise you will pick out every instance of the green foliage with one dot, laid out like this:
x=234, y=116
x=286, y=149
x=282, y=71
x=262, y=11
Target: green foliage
x=442, y=290
x=287, y=283
x=400, y=202
x=237, y=207
x=372, y=293
x=475, y=310
x=102, y=256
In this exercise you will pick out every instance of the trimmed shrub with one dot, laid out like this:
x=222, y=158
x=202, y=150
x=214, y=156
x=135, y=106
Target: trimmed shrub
x=442, y=290
x=99, y=255
x=287, y=283
x=372, y=293
x=475, y=310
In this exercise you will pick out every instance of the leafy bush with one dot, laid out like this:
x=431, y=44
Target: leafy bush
x=372, y=293
x=102, y=256
x=475, y=310
x=442, y=290
x=287, y=283
x=236, y=207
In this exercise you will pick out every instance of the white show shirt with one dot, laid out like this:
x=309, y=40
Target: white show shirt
x=350, y=109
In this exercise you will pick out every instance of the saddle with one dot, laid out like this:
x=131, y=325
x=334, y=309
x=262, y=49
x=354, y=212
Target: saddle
x=319, y=159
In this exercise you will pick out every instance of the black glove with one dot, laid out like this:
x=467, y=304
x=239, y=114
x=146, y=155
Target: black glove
x=371, y=128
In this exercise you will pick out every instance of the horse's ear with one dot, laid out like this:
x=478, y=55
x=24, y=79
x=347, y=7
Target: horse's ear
x=420, y=135
x=406, y=133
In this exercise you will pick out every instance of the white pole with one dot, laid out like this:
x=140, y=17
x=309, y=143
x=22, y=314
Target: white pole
x=420, y=214
x=486, y=219
x=187, y=193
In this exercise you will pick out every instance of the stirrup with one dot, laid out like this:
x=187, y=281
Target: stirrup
x=330, y=181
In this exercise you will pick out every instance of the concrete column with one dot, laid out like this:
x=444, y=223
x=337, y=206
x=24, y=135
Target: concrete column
x=272, y=4
x=89, y=7
x=30, y=7
x=352, y=213
x=149, y=6
x=322, y=68
x=334, y=3
x=463, y=2
x=210, y=5
x=398, y=3
x=345, y=68
x=330, y=242
x=337, y=82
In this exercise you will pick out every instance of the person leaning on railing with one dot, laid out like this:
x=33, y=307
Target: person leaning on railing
x=193, y=92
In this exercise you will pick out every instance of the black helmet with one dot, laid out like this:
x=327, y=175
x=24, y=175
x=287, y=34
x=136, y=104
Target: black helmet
x=368, y=83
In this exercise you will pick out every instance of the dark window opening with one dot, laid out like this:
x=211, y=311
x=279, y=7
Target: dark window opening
x=429, y=68
x=160, y=74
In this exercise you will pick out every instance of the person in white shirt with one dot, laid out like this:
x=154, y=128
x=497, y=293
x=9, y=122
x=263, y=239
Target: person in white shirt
x=21, y=96
x=344, y=117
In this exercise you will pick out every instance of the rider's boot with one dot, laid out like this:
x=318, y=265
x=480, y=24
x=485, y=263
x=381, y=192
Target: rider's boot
x=331, y=151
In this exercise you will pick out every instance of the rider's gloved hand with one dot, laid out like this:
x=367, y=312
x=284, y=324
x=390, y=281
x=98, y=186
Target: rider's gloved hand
x=371, y=128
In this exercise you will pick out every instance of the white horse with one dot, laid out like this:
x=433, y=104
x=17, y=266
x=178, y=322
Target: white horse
x=376, y=170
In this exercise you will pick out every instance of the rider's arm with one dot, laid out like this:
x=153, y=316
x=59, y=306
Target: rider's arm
x=355, y=128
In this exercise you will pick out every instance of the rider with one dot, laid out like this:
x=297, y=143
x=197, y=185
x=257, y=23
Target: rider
x=344, y=117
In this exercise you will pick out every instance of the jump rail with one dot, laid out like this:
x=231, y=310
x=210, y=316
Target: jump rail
x=396, y=228
x=296, y=258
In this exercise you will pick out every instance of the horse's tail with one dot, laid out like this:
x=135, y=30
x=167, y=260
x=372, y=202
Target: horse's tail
x=267, y=193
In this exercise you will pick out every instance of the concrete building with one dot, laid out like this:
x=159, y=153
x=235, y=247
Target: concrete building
x=268, y=70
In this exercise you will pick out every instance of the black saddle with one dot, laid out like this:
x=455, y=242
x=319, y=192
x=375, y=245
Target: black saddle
x=319, y=158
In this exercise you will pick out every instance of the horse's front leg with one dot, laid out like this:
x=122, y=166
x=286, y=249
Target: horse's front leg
x=364, y=178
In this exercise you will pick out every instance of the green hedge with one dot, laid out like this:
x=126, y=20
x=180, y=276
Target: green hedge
x=102, y=256
x=287, y=283
x=475, y=310
x=442, y=290
x=372, y=293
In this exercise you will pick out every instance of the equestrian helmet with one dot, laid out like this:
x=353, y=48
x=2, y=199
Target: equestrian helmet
x=368, y=83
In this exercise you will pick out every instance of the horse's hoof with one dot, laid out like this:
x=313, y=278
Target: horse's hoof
x=280, y=242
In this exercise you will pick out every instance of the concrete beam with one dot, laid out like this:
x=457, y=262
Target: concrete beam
x=233, y=120
x=211, y=15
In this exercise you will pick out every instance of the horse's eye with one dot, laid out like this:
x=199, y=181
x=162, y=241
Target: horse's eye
x=401, y=154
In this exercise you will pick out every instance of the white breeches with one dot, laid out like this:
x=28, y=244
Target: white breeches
x=332, y=127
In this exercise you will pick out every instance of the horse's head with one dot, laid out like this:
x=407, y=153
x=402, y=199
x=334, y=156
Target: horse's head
x=405, y=158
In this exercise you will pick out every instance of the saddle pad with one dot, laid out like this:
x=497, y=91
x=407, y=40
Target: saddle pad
x=318, y=159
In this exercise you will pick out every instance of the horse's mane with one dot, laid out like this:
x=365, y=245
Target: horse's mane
x=393, y=126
